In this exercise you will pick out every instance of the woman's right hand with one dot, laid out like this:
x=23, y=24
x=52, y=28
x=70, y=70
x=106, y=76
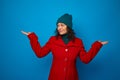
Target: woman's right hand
x=25, y=33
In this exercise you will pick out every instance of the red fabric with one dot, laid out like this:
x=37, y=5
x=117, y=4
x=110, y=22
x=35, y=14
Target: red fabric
x=64, y=56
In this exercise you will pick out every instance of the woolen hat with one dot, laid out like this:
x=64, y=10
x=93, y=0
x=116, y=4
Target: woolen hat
x=66, y=19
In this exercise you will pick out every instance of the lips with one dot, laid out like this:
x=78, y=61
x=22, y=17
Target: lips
x=59, y=31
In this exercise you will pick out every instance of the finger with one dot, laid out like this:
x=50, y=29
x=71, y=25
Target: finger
x=24, y=32
x=105, y=42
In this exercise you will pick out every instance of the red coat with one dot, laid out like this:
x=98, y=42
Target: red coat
x=64, y=56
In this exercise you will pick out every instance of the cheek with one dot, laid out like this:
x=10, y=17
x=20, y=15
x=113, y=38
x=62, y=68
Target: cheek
x=57, y=29
x=65, y=29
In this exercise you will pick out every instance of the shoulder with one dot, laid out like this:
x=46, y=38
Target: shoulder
x=78, y=40
x=52, y=38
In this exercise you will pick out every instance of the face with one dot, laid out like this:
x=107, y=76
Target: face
x=62, y=28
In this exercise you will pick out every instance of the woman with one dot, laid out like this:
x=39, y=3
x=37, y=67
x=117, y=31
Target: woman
x=65, y=48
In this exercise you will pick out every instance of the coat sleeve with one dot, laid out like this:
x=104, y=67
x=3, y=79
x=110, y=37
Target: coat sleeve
x=86, y=57
x=39, y=51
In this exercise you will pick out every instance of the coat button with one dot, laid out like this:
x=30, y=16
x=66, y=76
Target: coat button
x=64, y=69
x=66, y=59
x=66, y=50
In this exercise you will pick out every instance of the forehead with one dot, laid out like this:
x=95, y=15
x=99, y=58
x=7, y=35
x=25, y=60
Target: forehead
x=61, y=23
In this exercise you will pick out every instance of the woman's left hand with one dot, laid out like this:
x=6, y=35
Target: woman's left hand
x=103, y=42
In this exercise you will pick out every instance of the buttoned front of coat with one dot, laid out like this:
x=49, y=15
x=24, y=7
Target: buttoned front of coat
x=64, y=55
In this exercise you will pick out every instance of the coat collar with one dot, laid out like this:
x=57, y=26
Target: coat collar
x=60, y=42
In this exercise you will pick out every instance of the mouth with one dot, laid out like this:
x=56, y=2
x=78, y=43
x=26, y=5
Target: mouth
x=60, y=31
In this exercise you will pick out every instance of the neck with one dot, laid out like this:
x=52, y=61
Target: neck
x=64, y=35
x=65, y=38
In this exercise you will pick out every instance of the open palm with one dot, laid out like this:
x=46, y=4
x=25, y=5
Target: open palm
x=25, y=33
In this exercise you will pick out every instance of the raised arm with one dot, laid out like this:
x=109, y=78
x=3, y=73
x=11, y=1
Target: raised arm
x=39, y=51
x=86, y=57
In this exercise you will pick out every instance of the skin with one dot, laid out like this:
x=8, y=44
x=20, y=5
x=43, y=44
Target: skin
x=62, y=29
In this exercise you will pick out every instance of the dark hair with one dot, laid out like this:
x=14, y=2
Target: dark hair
x=71, y=33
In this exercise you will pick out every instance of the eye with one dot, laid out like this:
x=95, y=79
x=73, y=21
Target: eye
x=62, y=24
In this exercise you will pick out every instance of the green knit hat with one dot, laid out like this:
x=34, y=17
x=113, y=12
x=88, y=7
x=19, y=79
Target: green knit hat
x=66, y=19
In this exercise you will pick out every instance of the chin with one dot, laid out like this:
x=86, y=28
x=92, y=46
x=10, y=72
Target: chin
x=61, y=34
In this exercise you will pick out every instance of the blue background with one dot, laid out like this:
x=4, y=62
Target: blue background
x=92, y=19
